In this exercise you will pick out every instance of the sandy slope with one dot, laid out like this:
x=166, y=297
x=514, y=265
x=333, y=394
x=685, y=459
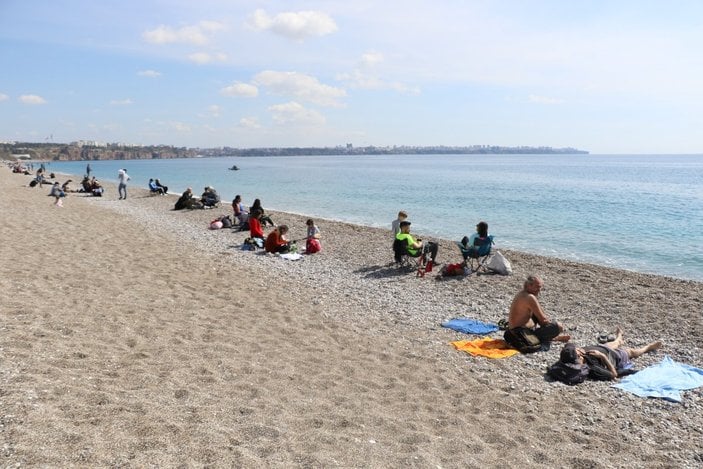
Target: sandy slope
x=132, y=337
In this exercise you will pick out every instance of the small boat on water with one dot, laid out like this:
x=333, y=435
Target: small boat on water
x=234, y=168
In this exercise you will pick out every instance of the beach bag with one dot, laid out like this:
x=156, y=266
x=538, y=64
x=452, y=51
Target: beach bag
x=523, y=339
x=33, y=183
x=499, y=264
x=312, y=246
x=215, y=225
x=568, y=373
x=226, y=221
x=452, y=270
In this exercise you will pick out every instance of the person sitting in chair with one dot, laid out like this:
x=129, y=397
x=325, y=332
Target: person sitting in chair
x=415, y=247
x=481, y=233
x=154, y=188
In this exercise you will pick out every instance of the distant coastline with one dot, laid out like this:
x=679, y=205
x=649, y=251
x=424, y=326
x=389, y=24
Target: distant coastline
x=95, y=151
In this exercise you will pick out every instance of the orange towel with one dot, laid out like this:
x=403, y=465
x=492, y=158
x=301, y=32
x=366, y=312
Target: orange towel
x=491, y=348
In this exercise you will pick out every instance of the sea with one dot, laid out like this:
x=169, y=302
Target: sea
x=636, y=212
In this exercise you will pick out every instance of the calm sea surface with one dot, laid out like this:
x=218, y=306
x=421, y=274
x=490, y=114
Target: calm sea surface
x=638, y=212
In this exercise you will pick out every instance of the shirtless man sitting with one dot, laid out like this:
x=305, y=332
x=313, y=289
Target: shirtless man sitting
x=526, y=312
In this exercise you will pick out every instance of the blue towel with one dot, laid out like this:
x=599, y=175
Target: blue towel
x=665, y=380
x=470, y=326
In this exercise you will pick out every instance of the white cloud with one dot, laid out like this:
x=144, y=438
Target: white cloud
x=181, y=127
x=121, y=102
x=293, y=113
x=214, y=110
x=149, y=73
x=205, y=57
x=32, y=99
x=4, y=97
x=242, y=90
x=366, y=76
x=198, y=34
x=372, y=58
x=294, y=25
x=249, y=123
x=300, y=86
x=543, y=100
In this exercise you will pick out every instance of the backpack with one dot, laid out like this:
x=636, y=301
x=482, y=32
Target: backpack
x=226, y=221
x=524, y=339
x=215, y=225
x=568, y=373
x=451, y=270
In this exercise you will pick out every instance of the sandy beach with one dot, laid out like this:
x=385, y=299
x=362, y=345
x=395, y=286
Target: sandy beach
x=133, y=336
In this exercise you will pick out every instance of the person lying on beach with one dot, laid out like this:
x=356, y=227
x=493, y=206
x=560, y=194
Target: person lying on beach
x=65, y=186
x=528, y=325
x=605, y=362
x=264, y=219
x=276, y=242
x=415, y=246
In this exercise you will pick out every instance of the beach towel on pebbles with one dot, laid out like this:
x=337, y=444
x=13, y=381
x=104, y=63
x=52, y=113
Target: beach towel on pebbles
x=491, y=348
x=665, y=380
x=470, y=326
x=291, y=256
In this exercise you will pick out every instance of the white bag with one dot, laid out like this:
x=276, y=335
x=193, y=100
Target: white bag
x=499, y=264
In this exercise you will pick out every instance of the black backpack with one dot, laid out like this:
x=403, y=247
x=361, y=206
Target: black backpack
x=570, y=374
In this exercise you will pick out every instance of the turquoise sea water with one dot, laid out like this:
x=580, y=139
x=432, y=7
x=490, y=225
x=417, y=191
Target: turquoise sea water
x=638, y=212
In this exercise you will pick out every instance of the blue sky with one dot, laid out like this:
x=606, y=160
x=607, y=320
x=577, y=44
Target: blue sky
x=605, y=76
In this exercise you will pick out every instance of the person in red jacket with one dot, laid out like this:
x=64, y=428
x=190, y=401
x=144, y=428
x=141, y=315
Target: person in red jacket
x=255, y=229
x=276, y=241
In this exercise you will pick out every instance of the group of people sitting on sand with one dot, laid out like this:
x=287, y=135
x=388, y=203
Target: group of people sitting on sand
x=155, y=187
x=209, y=199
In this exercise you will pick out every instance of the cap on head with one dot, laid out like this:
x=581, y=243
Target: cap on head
x=405, y=223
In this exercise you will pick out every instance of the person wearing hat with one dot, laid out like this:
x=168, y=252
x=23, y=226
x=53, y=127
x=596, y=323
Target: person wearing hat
x=611, y=358
x=415, y=247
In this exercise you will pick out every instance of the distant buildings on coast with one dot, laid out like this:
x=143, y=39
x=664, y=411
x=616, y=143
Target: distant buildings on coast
x=92, y=150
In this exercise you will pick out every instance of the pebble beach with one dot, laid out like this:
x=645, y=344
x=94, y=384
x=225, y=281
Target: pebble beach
x=133, y=336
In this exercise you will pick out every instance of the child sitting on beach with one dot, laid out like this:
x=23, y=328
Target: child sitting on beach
x=312, y=243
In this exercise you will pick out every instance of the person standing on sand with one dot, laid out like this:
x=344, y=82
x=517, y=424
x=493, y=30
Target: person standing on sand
x=87, y=170
x=122, y=177
x=527, y=315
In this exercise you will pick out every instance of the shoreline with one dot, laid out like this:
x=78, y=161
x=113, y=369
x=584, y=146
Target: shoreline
x=241, y=358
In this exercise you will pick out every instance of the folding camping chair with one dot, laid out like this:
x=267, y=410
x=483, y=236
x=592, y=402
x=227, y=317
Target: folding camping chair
x=475, y=256
x=405, y=260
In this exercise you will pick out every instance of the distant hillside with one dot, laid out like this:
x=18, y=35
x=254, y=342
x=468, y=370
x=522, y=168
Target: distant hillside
x=71, y=152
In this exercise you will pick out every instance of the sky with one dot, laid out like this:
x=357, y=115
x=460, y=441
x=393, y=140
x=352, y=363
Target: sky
x=606, y=76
